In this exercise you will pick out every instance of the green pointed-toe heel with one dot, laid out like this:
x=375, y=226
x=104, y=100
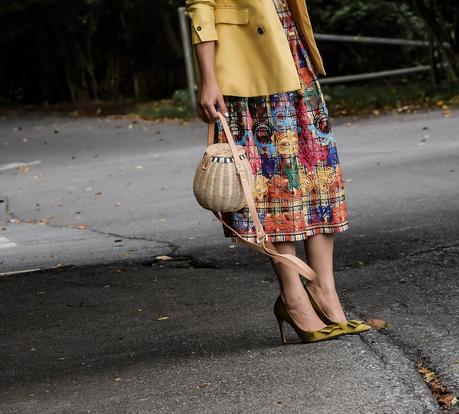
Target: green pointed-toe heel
x=351, y=326
x=283, y=315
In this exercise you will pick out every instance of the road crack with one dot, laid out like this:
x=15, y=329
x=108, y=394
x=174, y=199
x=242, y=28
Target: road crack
x=173, y=247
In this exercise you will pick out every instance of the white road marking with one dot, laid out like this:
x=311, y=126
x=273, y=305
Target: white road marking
x=11, y=165
x=14, y=272
x=6, y=243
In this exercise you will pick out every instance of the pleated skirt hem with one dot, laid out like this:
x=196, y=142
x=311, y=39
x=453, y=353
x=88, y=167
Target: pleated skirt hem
x=296, y=236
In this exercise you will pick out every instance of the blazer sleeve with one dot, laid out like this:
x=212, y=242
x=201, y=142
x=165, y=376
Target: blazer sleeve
x=202, y=15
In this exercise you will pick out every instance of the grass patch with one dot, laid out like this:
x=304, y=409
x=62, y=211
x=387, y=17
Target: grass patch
x=372, y=97
x=179, y=106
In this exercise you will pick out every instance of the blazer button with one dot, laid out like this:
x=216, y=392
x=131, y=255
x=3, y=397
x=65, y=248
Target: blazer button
x=198, y=28
x=261, y=30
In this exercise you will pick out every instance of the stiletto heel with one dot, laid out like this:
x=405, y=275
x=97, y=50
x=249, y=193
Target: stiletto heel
x=282, y=330
x=283, y=315
x=352, y=326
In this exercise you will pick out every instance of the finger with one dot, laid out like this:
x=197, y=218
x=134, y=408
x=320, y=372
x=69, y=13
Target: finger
x=204, y=112
x=212, y=112
x=199, y=107
x=200, y=114
x=222, y=106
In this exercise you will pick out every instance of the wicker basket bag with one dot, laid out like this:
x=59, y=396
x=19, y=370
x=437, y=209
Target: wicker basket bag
x=216, y=183
x=224, y=181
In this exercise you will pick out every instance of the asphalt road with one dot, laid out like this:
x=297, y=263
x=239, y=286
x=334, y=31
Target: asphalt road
x=103, y=328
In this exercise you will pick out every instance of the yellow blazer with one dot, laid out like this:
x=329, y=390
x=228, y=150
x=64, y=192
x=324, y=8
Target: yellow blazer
x=252, y=54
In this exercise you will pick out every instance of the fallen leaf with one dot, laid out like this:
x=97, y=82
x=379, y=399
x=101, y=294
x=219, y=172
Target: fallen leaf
x=23, y=168
x=164, y=258
x=81, y=226
x=448, y=400
x=378, y=324
x=429, y=376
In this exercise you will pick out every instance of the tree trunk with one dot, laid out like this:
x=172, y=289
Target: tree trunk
x=438, y=28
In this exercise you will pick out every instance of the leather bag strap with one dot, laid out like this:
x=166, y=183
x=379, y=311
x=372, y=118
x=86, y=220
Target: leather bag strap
x=262, y=245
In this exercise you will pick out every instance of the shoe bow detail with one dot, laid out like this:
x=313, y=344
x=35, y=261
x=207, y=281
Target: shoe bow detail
x=329, y=329
x=354, y=323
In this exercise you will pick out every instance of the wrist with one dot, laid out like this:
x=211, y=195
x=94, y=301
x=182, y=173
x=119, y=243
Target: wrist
x=209, y=81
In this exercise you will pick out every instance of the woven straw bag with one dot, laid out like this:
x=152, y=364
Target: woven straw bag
x=216, y=183
x=223, y=181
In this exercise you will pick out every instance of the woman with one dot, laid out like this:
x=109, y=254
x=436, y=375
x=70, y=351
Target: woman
x=257, y=63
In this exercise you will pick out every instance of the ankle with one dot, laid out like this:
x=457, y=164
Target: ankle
x=293, y=299
x=325, y=288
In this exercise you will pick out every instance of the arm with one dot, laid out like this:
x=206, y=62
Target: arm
x=204, y=36
x=210, y=90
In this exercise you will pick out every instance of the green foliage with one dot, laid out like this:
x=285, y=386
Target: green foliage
x=378, y=18
x=181, y=97
x=179, y=106
x=442, y=23
x=408, y=95
x=84, y=49
x=80, y=50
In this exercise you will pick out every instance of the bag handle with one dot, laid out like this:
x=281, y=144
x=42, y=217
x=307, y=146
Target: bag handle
x=211, y=132
x=263, y=246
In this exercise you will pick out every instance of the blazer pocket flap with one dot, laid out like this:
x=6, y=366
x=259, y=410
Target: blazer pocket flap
x=231, y=15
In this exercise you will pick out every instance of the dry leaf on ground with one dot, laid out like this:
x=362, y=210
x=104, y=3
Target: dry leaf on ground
x=378, y=324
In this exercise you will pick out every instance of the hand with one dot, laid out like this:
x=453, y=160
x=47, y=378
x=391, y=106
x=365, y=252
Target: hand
x=210, y=97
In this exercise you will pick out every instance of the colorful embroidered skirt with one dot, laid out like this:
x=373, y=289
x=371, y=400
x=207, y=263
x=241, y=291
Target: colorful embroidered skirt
x=299, y=189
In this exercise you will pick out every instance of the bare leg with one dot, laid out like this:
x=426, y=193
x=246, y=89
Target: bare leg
x=292, y=292
x=319, y=253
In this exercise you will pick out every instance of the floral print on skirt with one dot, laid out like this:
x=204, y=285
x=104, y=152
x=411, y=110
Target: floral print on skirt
x=288, y=138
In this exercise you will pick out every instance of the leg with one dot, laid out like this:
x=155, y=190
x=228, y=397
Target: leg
x=292, y=292
x=319, y=253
